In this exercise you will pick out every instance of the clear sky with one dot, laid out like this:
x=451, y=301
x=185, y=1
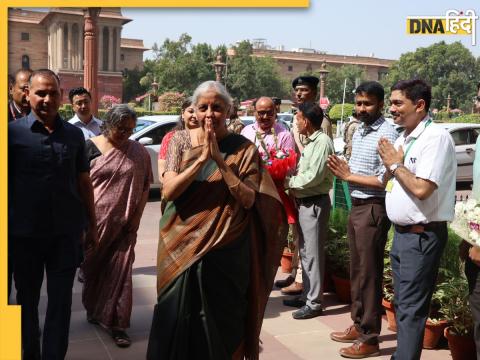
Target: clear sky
x=335, y=26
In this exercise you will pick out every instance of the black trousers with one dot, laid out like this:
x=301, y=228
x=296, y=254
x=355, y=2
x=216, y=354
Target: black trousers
x=367, y=231
x=415, y=260
x=58, y=257
x=472, y=272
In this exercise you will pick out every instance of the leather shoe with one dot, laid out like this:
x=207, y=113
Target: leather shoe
x=296, y=302
x=294, y=289
x=348, y=336
x=306, y=312
x=285, y=282
x=360, y=350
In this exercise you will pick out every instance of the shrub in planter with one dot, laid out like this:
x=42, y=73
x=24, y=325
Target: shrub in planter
x=456, y=310
x=338, y=254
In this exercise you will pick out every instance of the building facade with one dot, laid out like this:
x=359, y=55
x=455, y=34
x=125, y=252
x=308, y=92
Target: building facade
x=293, y=63
x=54, y=40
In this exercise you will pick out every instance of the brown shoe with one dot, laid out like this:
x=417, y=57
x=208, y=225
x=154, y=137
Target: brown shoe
x=360, y=350
x=348, y=336
x=294, y=289
x=285, y=282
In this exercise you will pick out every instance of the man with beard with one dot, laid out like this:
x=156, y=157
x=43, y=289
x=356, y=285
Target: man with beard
x=19, y=107
x=81, y=101
x=50, y=194
x=368, y=223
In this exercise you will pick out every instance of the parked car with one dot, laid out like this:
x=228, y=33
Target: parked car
x=149, y=132
x=464, y=135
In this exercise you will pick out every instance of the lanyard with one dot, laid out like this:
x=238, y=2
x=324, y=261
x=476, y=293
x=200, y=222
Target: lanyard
x=429, y=121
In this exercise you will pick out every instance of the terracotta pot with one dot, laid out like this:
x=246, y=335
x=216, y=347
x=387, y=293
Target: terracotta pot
x=286, y=261
x=461, y=347
x=390, y=312
x=342, y=288
x=433, y=333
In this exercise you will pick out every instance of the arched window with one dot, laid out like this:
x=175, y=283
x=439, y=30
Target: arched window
x=65, y=46
x=105, y=47
x=25, y=62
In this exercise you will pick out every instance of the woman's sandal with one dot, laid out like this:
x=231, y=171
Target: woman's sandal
x=121, y=338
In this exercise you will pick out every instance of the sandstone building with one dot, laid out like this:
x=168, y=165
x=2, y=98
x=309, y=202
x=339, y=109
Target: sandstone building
x=54, y=40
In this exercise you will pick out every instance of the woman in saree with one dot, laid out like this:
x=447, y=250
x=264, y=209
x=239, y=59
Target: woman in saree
x=121, y=174
x=187, y=120
x=221, y=237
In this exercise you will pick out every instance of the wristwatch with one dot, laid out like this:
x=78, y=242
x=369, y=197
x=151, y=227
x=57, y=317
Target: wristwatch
x=394, y=167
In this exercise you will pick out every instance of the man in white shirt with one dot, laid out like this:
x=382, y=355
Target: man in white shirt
x=419, y=202
x=81, y=101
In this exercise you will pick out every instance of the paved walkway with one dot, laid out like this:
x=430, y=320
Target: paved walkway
x=283, y=337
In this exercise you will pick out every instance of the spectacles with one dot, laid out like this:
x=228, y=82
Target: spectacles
x=124, y=130
x=477, y=98
x=263, y=113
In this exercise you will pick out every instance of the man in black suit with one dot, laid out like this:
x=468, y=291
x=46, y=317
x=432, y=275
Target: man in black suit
x=50, y=206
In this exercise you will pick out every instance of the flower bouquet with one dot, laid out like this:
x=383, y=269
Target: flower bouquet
x=280, y=163
x=466, y=223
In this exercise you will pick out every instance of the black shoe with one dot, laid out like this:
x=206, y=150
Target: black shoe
x=306, y=312
x=294, y=302
x=285, y=282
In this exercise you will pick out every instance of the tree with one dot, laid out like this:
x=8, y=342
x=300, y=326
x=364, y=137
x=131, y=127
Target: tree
x=335, y=81
x=251, y=77
x=131, y=84
x=448, y=68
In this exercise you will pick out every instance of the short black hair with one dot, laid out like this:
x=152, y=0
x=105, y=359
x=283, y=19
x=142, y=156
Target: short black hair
x=276, y=100
x=415, y=90
x=313, y=113
x=372, y=88
x=44, y=72
x=78, y=91
x=478, y=86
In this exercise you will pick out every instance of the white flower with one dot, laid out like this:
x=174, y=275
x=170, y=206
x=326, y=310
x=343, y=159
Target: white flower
x=459, y=207
x=470, y=204
x=474, y=236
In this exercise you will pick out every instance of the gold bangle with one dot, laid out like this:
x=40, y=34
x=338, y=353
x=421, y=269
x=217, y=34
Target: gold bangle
x=232, y=187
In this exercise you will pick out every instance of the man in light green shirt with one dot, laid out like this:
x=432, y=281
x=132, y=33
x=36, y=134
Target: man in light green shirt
x=311, y=186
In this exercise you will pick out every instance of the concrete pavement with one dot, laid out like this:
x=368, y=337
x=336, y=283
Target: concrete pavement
x=283, y=337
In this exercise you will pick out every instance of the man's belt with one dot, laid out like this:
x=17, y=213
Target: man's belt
x=310, y=199
x=370, y=200
x=419, y=228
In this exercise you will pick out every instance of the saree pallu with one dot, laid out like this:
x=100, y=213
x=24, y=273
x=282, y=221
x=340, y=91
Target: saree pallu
x=217, y=261
x=119, y=179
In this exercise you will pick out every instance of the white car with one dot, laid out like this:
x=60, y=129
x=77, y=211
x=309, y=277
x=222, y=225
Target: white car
x=149, y=132
x=464, y=135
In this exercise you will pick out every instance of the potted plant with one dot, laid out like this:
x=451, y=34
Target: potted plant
x=288, y=251
x=338, y=253
x=456, y=310
x=387, y=300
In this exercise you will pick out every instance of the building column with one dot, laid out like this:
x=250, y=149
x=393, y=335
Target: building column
x=80, y=46
x=119, y=37
x=59, y=46
x=90, y=72
x=110, y=48
x=99, y=39
x=51, y=51
x=69, y=47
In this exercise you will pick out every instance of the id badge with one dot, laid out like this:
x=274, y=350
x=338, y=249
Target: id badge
x=389, y=186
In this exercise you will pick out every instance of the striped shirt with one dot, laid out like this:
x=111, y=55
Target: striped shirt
x=365, y=159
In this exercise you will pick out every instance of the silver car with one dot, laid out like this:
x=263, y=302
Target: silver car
x=149, y=132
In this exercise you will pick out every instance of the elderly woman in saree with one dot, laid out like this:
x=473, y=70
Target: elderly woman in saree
x=121, y=174
x=221, y=237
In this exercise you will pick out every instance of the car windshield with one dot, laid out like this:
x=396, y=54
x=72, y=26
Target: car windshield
x=142, y=124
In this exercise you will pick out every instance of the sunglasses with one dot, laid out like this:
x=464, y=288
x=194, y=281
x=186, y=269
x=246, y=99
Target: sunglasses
x=477, y=98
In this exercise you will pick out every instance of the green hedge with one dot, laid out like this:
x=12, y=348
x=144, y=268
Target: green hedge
x=468, y=118
x=335, y=112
